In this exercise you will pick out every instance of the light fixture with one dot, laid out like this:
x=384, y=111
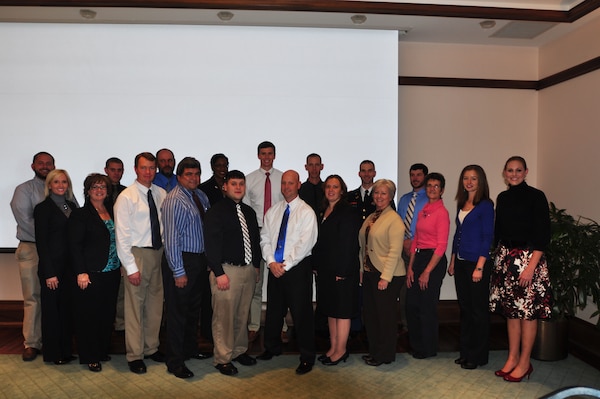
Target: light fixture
x=487, y=24
x=87, y=14
x=358, y=19
x=225, y=15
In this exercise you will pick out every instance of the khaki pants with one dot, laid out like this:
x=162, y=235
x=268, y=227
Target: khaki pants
x=144, y=305
x=27, y=258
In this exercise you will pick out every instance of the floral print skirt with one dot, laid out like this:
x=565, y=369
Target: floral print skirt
x=511, y=300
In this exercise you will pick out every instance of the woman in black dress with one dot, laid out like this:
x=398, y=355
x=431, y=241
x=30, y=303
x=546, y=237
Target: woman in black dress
x=96, y=265
x=336, y=258
x=54, y=269
x=520, y=287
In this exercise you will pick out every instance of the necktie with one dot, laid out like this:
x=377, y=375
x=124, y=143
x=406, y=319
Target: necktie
x=245, y=235
x=410, y=212
x=198, y=204
x=154, y=223
x=267, y=203
x=281, y=238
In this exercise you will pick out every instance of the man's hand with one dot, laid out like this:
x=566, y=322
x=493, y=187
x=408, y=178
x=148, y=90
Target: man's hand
x=135, y=278
x=181, y=282
x=277, y=269
x=222, y=282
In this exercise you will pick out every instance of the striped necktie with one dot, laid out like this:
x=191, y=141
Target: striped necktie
x=410, y=212
x=245, y=235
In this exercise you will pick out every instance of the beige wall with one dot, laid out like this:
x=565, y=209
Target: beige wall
x=448, y=128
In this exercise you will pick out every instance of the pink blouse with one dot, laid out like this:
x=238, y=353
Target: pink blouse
x=433, y=228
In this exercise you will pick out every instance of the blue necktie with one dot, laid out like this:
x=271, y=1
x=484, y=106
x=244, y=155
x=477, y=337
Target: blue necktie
x=281, y=238
x=154, y=223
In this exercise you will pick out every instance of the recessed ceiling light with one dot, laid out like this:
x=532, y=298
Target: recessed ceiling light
x=358, y=19
x=88, y=14
x=487, y=24
x=225, y=15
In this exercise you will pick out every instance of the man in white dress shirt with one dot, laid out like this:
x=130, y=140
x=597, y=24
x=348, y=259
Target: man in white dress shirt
x=139, y=246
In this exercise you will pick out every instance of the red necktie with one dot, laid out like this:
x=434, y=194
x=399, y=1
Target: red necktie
x=267, y=194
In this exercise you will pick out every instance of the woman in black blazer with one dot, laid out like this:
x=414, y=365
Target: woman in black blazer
x=54, y=269
x=96, y=265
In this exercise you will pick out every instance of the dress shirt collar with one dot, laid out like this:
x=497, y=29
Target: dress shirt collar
x=143, y=188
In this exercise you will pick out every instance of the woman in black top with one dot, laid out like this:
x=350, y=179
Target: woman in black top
x=54, y=269
x=520, y=287
x=335, y=257
x=96, y=265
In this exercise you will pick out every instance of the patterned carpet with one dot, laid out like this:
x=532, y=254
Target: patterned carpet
x=436, y=377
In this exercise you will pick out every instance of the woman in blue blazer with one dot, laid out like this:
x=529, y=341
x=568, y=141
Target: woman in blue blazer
x=470, y=265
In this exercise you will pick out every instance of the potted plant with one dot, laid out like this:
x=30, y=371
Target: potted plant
x=573, y=257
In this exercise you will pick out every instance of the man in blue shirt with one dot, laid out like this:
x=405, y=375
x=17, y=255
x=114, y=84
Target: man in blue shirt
x=415, y=200
x=165, y=161
x=185, y=271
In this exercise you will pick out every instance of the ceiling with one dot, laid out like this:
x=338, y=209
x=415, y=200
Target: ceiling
x=529, y=23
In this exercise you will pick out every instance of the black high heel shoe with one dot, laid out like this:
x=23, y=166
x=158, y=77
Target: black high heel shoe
x=329, y=362
x=322, y=357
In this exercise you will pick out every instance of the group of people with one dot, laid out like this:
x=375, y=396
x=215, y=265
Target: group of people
x=201, y=250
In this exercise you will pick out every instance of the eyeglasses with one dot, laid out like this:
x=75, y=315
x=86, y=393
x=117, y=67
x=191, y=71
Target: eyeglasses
x=98, y=187
x=434, y=186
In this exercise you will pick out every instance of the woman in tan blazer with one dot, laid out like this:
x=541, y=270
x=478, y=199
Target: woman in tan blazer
x=383, y=273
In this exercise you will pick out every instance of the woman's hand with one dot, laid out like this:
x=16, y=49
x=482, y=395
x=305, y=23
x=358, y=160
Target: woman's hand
x=410, y=277
x=451, y=267
x=424, y=280
x=477, y=274
x=52, y=283
x=382, y=285
x=526, y=276
x=83, y=280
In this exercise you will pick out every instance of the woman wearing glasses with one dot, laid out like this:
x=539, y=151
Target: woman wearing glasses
x=426, y=270
x=96, y=265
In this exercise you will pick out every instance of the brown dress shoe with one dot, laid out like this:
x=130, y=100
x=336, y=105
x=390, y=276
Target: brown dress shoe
x=30, y=354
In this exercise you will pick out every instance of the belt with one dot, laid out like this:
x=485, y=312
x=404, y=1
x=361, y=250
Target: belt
x=514, y=243
x=419, y=250
x=27, y=242
x=234, y=264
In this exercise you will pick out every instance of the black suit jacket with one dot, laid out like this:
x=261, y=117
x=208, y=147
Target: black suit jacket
x=364, y=209
x=89, y=240
x=51, y=238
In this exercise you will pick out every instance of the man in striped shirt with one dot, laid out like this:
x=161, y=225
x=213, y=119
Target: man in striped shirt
x=186, y=267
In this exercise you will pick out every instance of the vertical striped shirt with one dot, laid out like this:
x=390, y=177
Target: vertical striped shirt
x=182, y=226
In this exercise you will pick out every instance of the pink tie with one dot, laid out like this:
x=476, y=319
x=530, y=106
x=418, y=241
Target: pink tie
x=267, y=193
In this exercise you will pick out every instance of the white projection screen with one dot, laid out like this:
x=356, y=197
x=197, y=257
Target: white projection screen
x=85, y=93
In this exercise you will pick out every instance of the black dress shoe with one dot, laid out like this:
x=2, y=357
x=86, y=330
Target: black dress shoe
x=366, y=357
x=65, y=360
x=95, y=367
x=227, y=369
x=30, y=354
x=468, y=366
x=245, y=360
x=266, y=355
x=304, y=368
x=460, y=360
x=106, y=358
x=202, y=355
x=157, y=356
x=375, y=363
x=181, y=372
x=137, y=366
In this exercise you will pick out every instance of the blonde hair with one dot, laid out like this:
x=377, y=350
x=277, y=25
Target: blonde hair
x=388, y=184
x=52, y=175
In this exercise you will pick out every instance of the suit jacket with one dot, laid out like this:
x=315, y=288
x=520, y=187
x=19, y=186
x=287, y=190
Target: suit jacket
x=356, y=201
x=89, y=240
x=51, y=238
x=386, y=239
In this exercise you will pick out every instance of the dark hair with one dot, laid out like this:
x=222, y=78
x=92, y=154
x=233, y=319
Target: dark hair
x=436, y=176
x=483, y=189
x=343, y=185
x=188, y=163
x=515, y=158
x=216, y=157
x=367, y=161
x=113, y=160
x=145, y=155
x=235, y=174
x=313, y=155
x=92, y=179
x=419, y=166
x=165, y=149
x=42, y=153
x=266, y=144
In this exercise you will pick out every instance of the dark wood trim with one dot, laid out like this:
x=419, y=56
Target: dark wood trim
x=461, y=82
x=560, y=77
x=11, y=313
x=584, y=341
x=571, y=73
x=7, y=250
x=340, y=6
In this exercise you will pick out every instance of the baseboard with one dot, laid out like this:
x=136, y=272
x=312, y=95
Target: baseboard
x=584, y=341
x=11, y=313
